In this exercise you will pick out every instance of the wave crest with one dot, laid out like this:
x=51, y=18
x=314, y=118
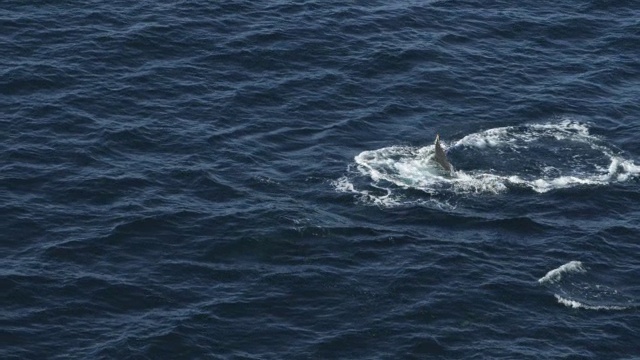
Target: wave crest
x=555, y=275
x=575, y=287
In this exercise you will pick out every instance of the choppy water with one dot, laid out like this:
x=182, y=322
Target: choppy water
x=255, y=180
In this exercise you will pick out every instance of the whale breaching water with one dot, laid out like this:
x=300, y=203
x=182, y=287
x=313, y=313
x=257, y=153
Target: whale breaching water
x=441, y=157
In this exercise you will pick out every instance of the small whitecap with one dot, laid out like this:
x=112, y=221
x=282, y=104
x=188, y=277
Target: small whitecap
x=579, y=305
x=556, y=274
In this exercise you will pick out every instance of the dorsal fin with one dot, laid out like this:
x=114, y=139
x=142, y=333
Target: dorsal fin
x=441, y=157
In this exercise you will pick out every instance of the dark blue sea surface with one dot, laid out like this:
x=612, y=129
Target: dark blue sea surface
x=255, y=180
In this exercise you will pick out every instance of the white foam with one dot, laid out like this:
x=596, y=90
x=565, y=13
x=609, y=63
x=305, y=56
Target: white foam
x=464, y=182
x=562, y=182
x=566, y=125
x=385, y=197
x=512, y=136
x=621, y=169
x=556, y=274
x=403, y=166
x=578, y=305
x=408, y=167
x=395, y=169
x=488, y=138
x=344, y=185
x=583, y=292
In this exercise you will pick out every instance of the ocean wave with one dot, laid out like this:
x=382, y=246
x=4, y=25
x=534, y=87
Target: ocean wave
x=556, y=274
x=576, y=287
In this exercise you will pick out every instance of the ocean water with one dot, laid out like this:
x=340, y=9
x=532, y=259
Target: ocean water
x=255, y=180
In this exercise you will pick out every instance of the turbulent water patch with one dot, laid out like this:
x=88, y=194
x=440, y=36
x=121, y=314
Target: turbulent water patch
x=539, y=157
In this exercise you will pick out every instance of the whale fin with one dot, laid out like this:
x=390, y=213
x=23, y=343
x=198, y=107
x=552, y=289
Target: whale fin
x=441, y=157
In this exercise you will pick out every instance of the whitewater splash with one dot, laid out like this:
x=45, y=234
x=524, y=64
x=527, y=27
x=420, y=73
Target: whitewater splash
x=575, y=287
x=539, y=157
x=555, y=275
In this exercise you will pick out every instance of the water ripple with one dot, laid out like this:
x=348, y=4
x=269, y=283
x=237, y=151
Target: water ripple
x=190, y=179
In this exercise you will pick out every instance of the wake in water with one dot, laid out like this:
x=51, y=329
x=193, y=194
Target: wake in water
x=574, y=286
x=539, y=157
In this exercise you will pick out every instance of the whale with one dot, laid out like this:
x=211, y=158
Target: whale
x=441, y=158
